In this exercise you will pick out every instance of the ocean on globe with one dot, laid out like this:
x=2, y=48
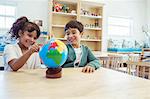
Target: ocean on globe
x=54, y=53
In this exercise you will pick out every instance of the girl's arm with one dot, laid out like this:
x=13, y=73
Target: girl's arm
x=16, y=64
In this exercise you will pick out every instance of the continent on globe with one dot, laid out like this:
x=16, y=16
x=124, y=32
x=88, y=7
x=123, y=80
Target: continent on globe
x=53, y=45
x=55, y=55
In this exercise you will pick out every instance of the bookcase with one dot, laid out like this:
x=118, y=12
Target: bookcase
x=89, y=13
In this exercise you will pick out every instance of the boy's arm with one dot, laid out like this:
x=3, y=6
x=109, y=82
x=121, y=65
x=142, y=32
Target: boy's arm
x=92, y=60
x=95, y=63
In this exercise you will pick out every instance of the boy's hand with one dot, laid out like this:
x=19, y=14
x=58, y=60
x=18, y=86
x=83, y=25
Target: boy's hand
x=88, y=69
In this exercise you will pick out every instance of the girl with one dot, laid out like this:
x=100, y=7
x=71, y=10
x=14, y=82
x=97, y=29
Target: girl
x=23, y=53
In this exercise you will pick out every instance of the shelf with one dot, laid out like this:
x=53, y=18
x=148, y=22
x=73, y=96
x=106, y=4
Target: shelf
x=88, y=28
x=68, y=1
x=43, y=36
x=88, y=40
x=64, y=14
x=63, y=39
x=93, y=4
x=59, y=26
x=93, y=40
x=90, y=14
x=92, y=17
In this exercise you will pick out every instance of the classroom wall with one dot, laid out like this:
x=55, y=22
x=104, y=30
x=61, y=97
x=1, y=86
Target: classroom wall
x=34, y=10
x=138, y=10
x=135, y=9
x=148, y=11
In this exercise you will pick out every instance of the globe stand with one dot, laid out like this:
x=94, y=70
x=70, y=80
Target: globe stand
x=54, y=72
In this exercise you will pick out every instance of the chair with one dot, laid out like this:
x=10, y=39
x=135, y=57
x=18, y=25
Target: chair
x=129, y=68
x=111, y=61
x=145, y=57
x=1, y=63
x=1, y=68
x=141, y=69
x=105, y=60
x=115, y=62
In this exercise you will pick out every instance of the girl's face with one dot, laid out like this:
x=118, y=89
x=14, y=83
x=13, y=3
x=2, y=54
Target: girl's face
x=28, y=38
x=73, y=36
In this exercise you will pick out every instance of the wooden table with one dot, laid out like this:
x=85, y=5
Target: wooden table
x=102, y=84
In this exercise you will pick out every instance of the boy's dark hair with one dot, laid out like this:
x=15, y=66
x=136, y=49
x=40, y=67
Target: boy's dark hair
x=23, y=24
x=74, y=24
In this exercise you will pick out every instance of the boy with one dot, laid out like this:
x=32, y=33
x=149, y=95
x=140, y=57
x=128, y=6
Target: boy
x=79, y=55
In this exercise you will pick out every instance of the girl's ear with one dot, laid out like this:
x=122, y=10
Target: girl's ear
x=20, y=33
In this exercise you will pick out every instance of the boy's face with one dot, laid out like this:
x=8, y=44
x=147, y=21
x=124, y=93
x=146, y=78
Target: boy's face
x=73, y=36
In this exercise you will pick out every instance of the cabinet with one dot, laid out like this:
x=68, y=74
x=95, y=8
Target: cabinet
x=89, y=13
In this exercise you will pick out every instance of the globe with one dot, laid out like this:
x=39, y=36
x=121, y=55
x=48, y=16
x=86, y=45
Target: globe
x=54, y=53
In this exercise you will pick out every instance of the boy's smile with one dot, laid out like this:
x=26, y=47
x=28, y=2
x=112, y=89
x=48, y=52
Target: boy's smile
x=73, y=37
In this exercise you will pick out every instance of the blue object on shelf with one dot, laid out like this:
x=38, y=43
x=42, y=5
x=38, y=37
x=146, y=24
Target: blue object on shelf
x=2, y=48
x=45, y=33
x=124, y=49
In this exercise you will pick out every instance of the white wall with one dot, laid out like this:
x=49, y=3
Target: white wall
x=148, y=11
x=34, y=10
x=134, y=9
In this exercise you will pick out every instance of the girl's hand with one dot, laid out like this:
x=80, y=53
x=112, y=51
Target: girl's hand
x=88, y=69
x=34, y=48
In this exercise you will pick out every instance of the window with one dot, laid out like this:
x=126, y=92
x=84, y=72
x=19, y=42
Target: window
x=118, y=26
x=7, y=17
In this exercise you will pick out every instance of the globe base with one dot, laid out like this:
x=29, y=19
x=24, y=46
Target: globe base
x=54, y=72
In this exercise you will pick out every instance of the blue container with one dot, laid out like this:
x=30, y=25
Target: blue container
x=2, y=48
x=124, y=49
x=44, y=33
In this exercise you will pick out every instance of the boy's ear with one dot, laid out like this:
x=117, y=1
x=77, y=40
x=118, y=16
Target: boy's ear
x=81, y=34
x=20, y=33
